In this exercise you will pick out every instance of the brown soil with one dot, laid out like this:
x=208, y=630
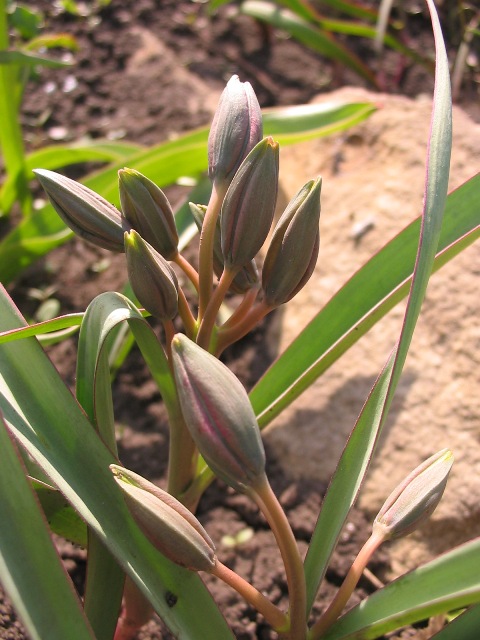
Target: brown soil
x=123, y=86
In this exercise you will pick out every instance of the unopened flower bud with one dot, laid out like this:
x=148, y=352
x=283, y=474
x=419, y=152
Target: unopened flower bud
x=219, y=415
x=293, y=250
x=249, y=205
x=235, y=130
x=148, y=211
x=89, y=215
x=169, y=526
x=416, y=498
x=153, y=280
x=247, y=277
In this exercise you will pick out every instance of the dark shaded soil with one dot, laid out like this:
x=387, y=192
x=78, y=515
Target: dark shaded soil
x=97, y=98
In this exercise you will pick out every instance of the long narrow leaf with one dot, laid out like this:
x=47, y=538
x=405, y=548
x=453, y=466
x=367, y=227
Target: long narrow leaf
x=317, y=39
x=29, y=563
x=30, y=60
x=57, y=156
x=11, y=141
x=375, y=289
x=464, y=626
x=449, y=582
x=357, y=455
x=46, y=420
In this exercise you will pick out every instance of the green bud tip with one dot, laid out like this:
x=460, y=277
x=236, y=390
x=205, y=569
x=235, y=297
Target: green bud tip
x=293, y=251
x=148, y=211
x=169, y=526
x=153, y=280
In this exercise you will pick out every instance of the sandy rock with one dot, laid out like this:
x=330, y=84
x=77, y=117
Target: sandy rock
x=373, y=178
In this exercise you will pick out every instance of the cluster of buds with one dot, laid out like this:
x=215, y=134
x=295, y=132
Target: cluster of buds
x=243, y=168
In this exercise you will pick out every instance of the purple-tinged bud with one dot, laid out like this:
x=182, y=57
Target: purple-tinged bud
x=247, y=277
x=235, y=130
x=249, y=205
x=415, y=499
x=153, y=280
x=219, y=415
x=89, y=215
x=148, y=211
x=169, y=526
x=293, y=250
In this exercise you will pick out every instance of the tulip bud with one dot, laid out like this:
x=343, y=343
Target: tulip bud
x=169, y=526
x=235, y=130
x=84, y=211
x=293, y=250
x=153, y=280
x=218, y=415
x=249, y=205
x=416, y=498
x=147, y=209
x=247, y=277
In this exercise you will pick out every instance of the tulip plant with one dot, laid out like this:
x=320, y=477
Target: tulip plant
x=145, y=546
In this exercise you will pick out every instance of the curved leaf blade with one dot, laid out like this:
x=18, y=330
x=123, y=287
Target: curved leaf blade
x=449, y=582
x=361, y=302
x=360, y=448
x=29, y=562
x=48, y=422
x=307, y=33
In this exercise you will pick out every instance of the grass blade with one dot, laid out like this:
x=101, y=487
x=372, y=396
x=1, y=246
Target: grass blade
x=371, y=292
x=48, y=422
x=317, y=39
x=29, y=563
x=358, y=452
x=449, y=582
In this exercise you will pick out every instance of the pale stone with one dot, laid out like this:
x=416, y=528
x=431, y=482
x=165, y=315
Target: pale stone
x=373, y=180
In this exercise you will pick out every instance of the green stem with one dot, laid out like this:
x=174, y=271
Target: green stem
x=226, y=336
x=11, y=140
x=276, y=518
x=186, y=315
x=208, y=322
x=342, y=596
x=205, y=257
x=136, y=612
x=187, y=269
x=243, y=308
x=182, y=455
x=271, y=613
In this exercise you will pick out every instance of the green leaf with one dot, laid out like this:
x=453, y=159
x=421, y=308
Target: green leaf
x=93, y=390
x=56, y=156
x=464, y=626
x=61, y=518
x=28, y=59
x=317, y=39
x=47, y=421
x=49, y=326
x=29, y=563
x=289, y=125
x=52, y=41
x=359, y=450
x=26, y=21
x=449, y=582
x=371, y=292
